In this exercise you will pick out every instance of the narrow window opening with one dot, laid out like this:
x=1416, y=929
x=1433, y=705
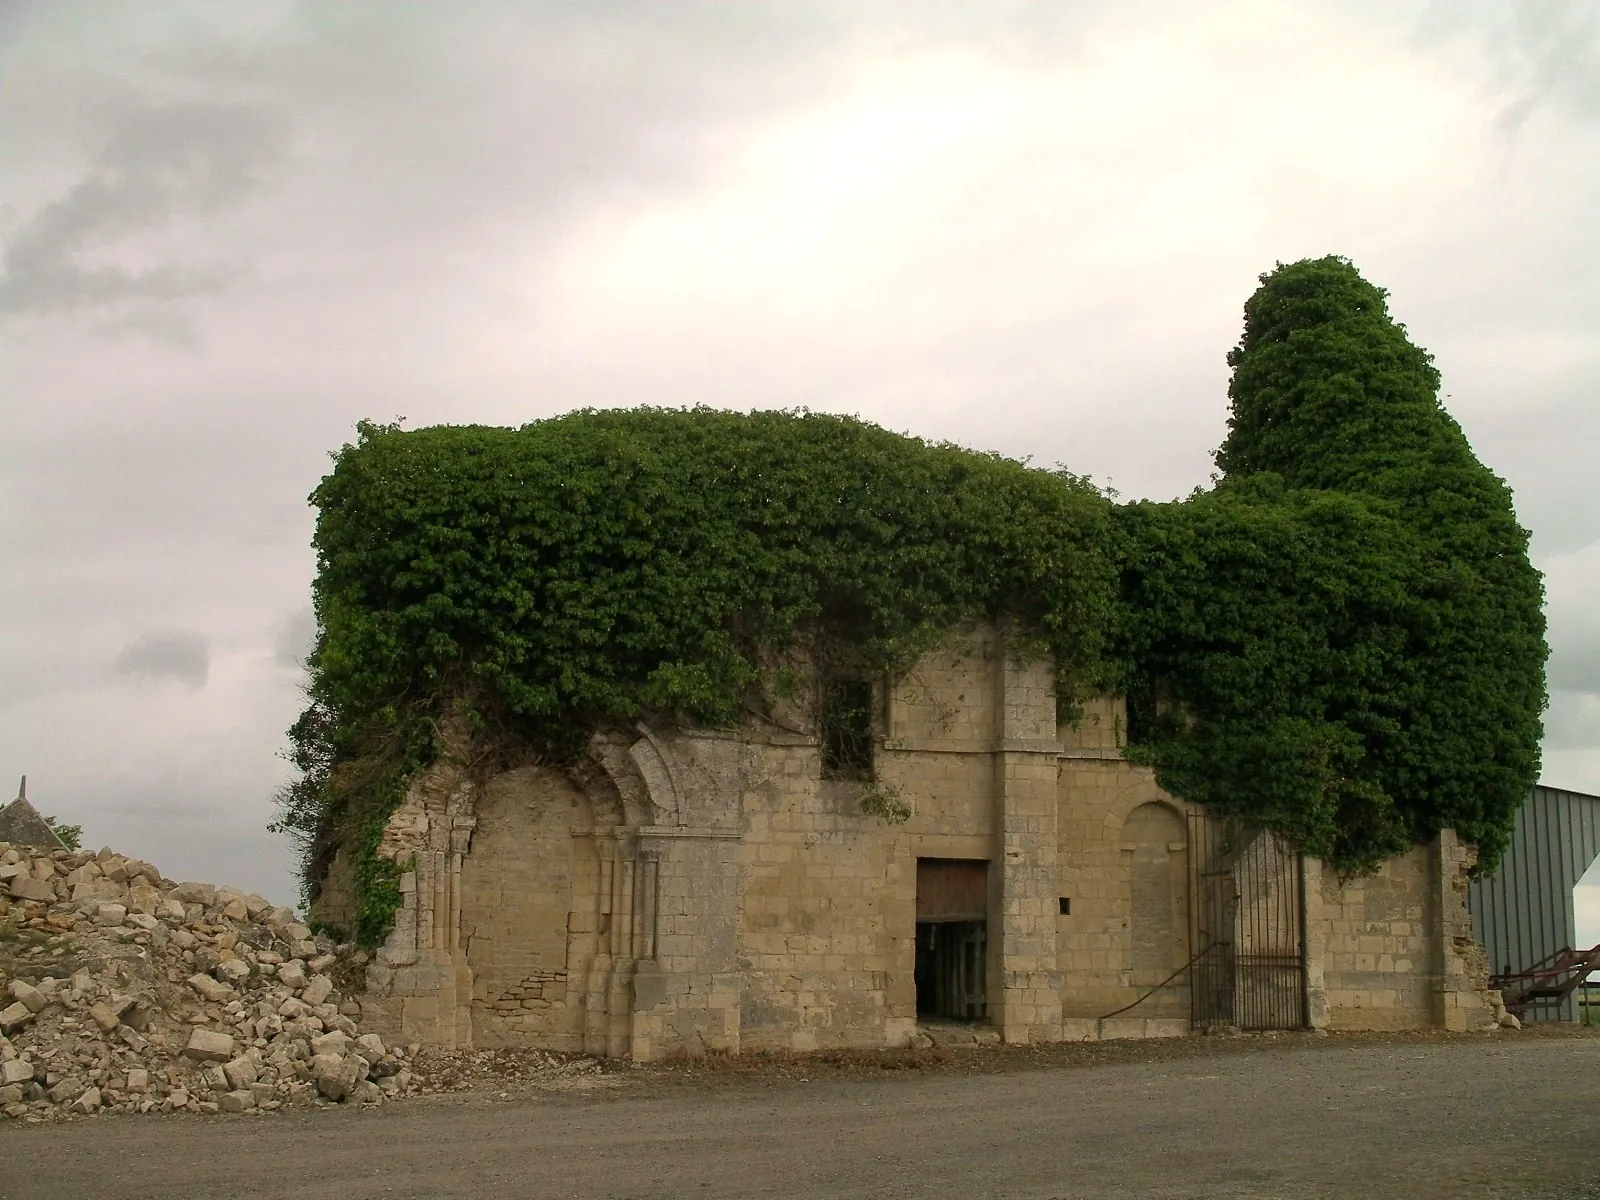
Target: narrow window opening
x=847, y=741
x=1066, y=906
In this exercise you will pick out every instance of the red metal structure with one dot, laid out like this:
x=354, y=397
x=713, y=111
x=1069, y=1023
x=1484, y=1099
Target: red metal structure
x=1548, y=983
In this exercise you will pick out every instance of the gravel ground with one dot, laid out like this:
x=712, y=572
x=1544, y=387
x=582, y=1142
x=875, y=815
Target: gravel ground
x=1416, y=1115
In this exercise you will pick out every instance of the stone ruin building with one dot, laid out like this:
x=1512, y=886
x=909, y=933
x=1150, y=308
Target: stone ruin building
x=723, y=890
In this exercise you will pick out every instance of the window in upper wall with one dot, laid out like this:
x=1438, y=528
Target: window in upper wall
x=846, y=729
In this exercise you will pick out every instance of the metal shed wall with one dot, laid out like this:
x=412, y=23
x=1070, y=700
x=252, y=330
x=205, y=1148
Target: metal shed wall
x=1524, y=912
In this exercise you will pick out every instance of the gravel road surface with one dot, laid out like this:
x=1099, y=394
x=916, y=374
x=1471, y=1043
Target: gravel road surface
x=1469, y=1118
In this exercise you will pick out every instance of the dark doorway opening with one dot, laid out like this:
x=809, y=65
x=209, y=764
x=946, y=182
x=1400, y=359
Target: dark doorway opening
x=952, y=938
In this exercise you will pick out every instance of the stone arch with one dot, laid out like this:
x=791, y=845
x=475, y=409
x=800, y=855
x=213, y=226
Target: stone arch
x=1155, y=849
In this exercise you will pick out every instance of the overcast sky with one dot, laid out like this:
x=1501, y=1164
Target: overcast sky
x=229, y=231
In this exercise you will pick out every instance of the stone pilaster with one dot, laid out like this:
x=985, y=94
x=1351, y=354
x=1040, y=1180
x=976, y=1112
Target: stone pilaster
x=1026, y=979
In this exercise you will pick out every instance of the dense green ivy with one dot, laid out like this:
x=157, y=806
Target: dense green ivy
x=610, y=565
x=1343, y=637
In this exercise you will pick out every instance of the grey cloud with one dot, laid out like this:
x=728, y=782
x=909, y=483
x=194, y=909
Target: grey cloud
x=159, y=163
x=181, y=655
x=1573, y=719
x=1548, y=50
x=292, y=638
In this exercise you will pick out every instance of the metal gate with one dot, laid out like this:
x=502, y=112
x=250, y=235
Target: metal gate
x=1247, y=927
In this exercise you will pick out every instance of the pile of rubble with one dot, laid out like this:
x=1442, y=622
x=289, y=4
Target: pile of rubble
x=124, y=990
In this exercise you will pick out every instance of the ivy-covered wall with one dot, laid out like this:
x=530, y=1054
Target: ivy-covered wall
x=1343, y=637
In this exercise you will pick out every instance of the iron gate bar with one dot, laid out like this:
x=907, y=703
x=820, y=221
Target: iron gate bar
x=1247, y=908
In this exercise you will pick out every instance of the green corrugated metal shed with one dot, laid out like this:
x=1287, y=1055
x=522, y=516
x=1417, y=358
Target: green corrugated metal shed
x=1524, y=912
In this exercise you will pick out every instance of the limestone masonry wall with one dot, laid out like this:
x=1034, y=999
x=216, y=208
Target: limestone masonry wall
x=693, y=891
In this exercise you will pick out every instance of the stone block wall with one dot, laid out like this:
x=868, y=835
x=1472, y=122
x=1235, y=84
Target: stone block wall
x=516, y=897
x=1394, y=950
x=1124, y=873
x=704, y=891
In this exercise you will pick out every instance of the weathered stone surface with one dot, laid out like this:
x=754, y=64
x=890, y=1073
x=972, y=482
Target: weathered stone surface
x=138, y=1080
x=17, y=1070
x=22, y=825
x=233, y=970
x=330, y=1043
x=235, y=909
x=65, y=1090
x=206, y=1046
x=370, y=1047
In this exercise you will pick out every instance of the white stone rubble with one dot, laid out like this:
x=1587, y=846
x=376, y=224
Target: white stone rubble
x=124, y=991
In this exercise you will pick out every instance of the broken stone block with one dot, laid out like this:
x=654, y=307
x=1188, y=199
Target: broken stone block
x=138, y=1080
x=292, y=974
x=206, y=1046
x=65, y=1090
x=28, y=994
x=233, y=970
x=111, y=914
x=210, y=989
x=88, y=1102
x=240, y=1072
x=330, y=1043
x=170, y=910
x=370, y=1047
x=336, y=1076
x=143, y=899
x=104, y=1016
x=237, y=1102
x=317, y=990
x=195, y=893
x=17, y=1070
x=24, y=887
x=236, y=910
x=15, y=1017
